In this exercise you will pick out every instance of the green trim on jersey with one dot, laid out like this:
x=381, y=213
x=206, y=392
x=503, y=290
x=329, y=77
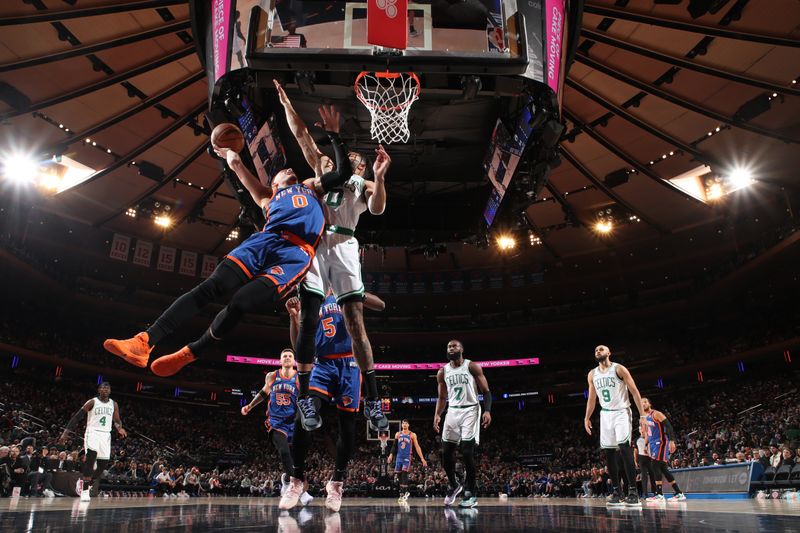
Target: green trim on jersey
x=304, y=286
x=340, y=230
x=351, y=293
x=462, y=406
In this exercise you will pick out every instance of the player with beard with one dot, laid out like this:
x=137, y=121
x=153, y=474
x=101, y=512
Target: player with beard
x=459, y=382
x=660, y=444
x=611, y=383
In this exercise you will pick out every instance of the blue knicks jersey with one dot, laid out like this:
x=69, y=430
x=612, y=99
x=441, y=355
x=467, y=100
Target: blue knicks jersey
x=403, y=445
x=295, y=209
x=282, y=397
x=656, y=435
x=332, y=338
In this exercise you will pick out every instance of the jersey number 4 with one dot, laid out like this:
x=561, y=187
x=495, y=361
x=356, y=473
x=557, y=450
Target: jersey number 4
x=606, y=395
x=328, y=328
x=102, y=421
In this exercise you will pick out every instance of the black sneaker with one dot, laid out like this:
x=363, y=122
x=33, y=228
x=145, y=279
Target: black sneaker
x=614, y=501
x=632, y=500
x=374, y=414
x=307, y=411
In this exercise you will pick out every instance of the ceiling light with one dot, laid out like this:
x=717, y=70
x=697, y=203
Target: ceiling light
x=506, y=242
x=604, y=226
x=714, y=192
x=740, y=177
x=50, y=181
x=20, y=168
x=131, y=212
x=163, y=220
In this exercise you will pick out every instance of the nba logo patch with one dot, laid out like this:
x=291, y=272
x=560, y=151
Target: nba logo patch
x=346, y=400
x=278, y=271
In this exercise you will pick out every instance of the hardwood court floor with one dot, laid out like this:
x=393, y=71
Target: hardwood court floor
x=124, y=515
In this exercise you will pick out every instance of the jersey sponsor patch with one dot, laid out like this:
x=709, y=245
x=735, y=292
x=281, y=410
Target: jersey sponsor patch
x=276, y=270
x=346, y=401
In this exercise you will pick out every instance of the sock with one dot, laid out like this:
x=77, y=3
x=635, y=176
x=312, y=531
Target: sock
x=676, y=488
x=370, y=384
x=206, y=339
x=660, y=489
x=302, y=382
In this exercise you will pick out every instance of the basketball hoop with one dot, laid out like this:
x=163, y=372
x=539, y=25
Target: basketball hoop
x=388, y=97
x=384, y=438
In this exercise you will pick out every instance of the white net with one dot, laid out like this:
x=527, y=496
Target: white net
x=388, y=97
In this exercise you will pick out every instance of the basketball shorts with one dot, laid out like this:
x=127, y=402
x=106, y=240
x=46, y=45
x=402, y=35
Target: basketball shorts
x=402, y=464
x=269, y=255
x=283, y=425
x=339, y=380
x=98, y=441
x=659, y=450
x=462, y=424
x=615, y=428
x=336, y=265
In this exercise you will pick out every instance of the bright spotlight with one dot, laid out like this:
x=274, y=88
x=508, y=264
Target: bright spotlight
x=714, y=192
x=50, y=181
x=740, y=178
x=163, y=220
x=506, y=242
x=603, y=226
x=20, y=169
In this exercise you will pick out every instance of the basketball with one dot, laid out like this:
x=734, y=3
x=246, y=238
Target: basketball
x=227, y=135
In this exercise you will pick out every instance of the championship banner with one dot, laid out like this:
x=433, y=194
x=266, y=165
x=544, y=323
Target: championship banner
x=208, y=266
x=120, y=247
x=143, y=253
x=188, y=265
x=499, y=363
x=166, y=259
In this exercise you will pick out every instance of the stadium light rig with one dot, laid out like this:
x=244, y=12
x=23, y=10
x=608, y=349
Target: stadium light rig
x=163, y=220
x=604, y=226
x=506, y=242
x=20, y=169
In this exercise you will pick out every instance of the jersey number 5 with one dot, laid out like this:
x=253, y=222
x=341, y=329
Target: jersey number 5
x=298, y=200
x=328, y=327
x=283, y=399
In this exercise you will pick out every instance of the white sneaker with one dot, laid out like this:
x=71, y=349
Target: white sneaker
x=86, y=495
x=680, y=497
x=658, y=498
x=285, y=482
x=306, y=498
x=292, y=495
x=49, y=493
x=334, y=499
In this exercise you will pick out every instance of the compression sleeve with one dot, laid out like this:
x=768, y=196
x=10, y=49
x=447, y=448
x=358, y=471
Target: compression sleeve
x=487, y=401
x=336, y=177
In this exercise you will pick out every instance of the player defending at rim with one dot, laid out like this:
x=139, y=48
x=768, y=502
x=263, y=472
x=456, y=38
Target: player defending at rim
x=459, y=382
x=335, y=378
x=337, y=265
x=280, y=393
x=660, y=444
x=611, y=383
x=403, y=440
x=262, y=269
x=101, y=413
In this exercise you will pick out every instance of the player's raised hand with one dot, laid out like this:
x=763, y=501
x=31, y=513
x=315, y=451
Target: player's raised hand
x=436, y=421
x=486, y=419
x=382, y=162
x=245, y=410
x=587, y=424
x=281, y=93
x=330, y=118
x=122, y=433
x=293, y=306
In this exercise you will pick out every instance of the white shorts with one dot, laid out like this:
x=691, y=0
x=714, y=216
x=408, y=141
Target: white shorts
x=462, y=424
x=99, y=441
x=615, y=428
x=335, y=265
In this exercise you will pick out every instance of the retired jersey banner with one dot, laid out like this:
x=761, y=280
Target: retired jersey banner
x=208, y=266
x=188, y=265
x=120, y=247
x=166, y=259
x=143, y=253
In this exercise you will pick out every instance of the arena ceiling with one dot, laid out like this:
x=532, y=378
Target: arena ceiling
x=655, y=91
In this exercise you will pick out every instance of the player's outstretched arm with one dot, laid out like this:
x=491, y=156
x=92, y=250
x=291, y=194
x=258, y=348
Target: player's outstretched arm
x=258, y=192
x=293, y=307
x=335, y=178
x=483, y=386
x=300, y=131
x=376, y=190
x=419, y=450
x=118, y=421
x=373, y=303
x=441, y=400
x=590, y=405
x=76, y=418
x=262, y=396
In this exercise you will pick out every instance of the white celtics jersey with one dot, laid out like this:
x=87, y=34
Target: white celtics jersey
x=461, y=389
x=101, y=417
x=611, y=390
x=344, y=206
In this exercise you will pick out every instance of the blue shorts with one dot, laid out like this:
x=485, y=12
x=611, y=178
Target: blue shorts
x=284, y=425
x=402, y=464
x=659, y=451
x=269, y=255
x=339, y=380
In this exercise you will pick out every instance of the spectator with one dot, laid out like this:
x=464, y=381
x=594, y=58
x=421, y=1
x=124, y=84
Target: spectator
x=19, y=465
x=164, y=482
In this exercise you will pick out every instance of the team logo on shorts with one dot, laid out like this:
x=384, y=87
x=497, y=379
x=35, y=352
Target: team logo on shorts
x=276, y=270
x=346, y=400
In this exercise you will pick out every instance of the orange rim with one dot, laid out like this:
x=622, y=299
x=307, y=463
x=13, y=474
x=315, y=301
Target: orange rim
x=391, y=76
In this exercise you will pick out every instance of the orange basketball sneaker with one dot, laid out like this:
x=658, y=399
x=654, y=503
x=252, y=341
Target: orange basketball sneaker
x=135, y=351
x=171, y=364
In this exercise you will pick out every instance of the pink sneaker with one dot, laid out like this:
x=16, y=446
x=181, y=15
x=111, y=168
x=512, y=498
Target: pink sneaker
x=292, y=494
x=334, y=499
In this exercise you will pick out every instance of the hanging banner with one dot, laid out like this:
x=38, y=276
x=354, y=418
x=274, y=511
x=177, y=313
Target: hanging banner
x=188, y=265
x=120, y=247
x=143, y=253
x=208, y=266
x=554, y=30
x=166, y=259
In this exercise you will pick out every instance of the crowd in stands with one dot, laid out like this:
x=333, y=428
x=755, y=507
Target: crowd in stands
x=178, y=449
